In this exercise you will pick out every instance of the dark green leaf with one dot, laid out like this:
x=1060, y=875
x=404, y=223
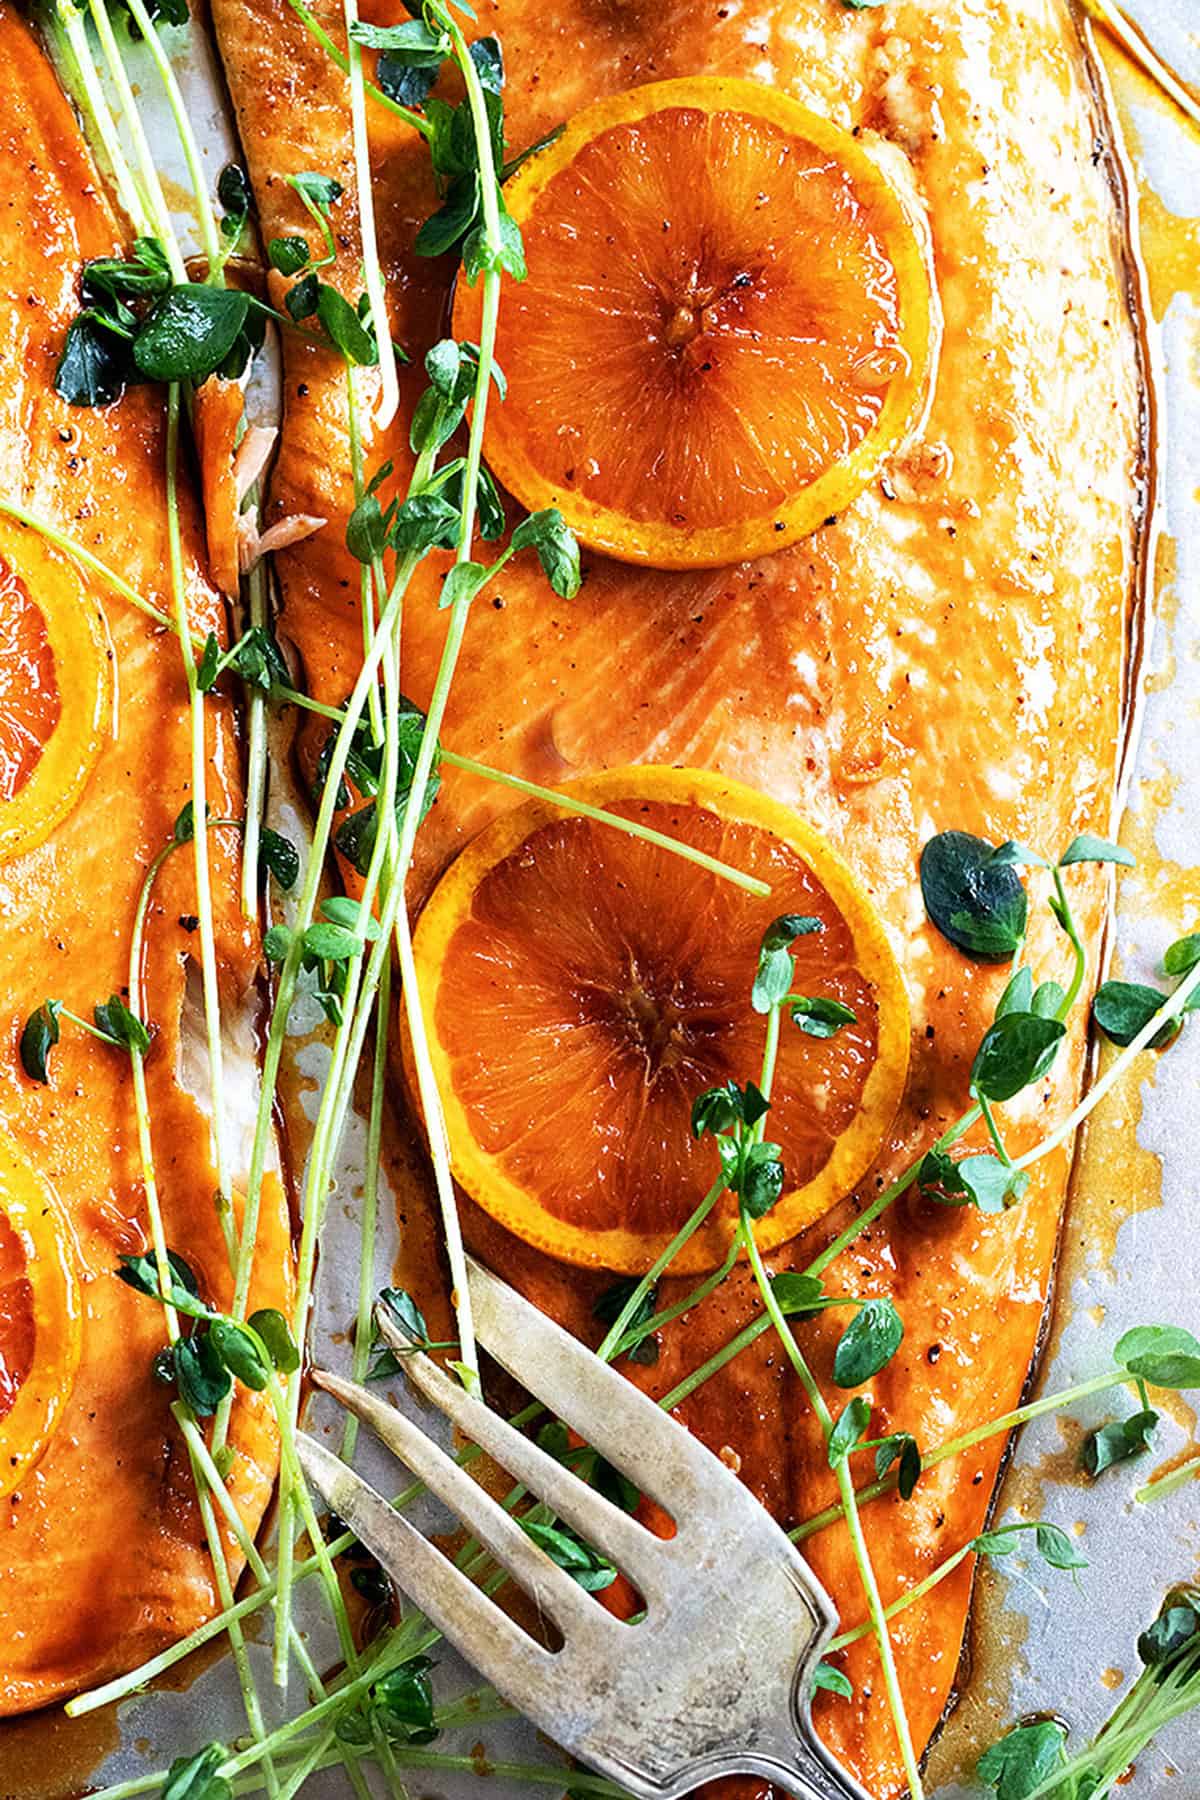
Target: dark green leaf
x=1018, y=1765
x=1122, y=1009
x=557, y=549
x=761, y=1179
x=1053, y=1545
x=331, y=943
x=183, y=1290
x=301, y=300
x=288, y=254
x=849, y=1429
x=1164, y=1355
x=233, y=189
x=200, y=1373
x=425, y=522
x=1183, y=955
x=339, y=909
x=488, y=58
x=183, y=831
x=611, y=1303
x=1117, y=1442
x=1089, y=849
x=832, y=1680
x=404, y=1702
x=366, y=530
x=584, y=1565
x=113, y=1017
x=40, y=1034
x=95, y=366
x=506, y=254
x=796, y=1293
x=1176, y=1628
x=189, y=332
x=773, y=977
x=868, y=1343
x=1016, y=1051
x=901, y=1447
x=717, y=1109
x=1047, y=1000
x=820, y=1017
x=403, y=1310
x=196, y=1777
x=281, y=857
x=976, y=902
x=406, y=83
x=454, y=218
x=272, y=1328
x=463, y=583
x=1018, y=995
x=344, y=327
x=322, y=190
x=276, y=943
x=238, y=1351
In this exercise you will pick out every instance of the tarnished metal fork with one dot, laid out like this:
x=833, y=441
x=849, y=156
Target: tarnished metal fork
x=715, y=1679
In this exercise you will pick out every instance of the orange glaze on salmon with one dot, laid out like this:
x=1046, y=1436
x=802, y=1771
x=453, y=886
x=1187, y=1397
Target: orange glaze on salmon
x=951, y=652
x=102, y=1558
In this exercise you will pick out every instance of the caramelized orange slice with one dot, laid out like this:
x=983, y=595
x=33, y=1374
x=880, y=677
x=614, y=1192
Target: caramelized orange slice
x=55, y=690
x=582, y=987
x=40, y=1317
x=726, y=327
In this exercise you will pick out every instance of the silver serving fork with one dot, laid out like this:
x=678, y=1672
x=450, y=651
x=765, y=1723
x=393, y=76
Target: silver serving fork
x=714, y=1679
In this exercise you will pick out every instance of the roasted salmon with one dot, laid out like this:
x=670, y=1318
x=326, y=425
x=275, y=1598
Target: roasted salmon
x=102, y=1557
x=952, y=651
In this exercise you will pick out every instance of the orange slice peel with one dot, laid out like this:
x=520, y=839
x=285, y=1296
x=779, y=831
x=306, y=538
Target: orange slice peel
x=55, y=690
x=41, y=1325
x=728, y=323
x=581, y=987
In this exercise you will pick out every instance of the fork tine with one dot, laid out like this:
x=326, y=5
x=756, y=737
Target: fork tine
x=635, y=1435
x=630, y=1545
x=521, y=1669
x=550, y=1587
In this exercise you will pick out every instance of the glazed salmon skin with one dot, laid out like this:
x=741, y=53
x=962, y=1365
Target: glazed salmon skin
x=102, y=1557
x=952, y=652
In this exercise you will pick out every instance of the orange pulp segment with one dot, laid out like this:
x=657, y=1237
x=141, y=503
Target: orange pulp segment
x=582, y=987
x=726, y=325
x=40, y=1317
x=55, y=690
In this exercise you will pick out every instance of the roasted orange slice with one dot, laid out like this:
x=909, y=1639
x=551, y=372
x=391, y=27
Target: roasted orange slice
x=40, y=1317
x=55, y=689
x=726, y=327
x=582, y=987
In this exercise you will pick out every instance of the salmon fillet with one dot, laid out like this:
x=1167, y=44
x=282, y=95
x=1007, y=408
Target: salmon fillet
x=102, y=1556
x=951, y=652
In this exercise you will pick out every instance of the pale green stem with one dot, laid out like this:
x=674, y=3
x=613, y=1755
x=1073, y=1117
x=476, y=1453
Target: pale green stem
x=209, y=235
x=1132, y=40
x=370, y=1203
x=938, y=1575
x=317, y=31
x=1020, y=1415
x=749, y=883
x=204, y=900
x=389, y=389
x=1170, y=1483
x=73, y=548
x=75, y=33
x=155, y=204
x=256, y=753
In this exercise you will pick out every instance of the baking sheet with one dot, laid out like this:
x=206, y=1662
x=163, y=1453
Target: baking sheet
x=1129, y=1253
